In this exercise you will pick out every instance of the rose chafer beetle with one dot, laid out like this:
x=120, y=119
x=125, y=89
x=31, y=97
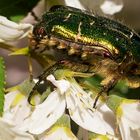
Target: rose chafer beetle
x=87, y=43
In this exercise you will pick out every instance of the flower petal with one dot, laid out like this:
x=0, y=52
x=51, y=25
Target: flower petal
x=110, y=7
x=129, y=130
x=11, y=31
x=59, y=133
x=45, y=114
x=61, y=130
x=15, y=105
x=62, y=85
x=131, y=111
x=74, y=3
x=129, y=123
x=8, y=132
x=93, y=136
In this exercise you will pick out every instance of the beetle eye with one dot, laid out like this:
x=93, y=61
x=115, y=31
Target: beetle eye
x=39, y=33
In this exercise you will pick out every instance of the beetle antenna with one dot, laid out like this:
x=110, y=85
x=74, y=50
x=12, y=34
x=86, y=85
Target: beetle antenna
x=35, y=16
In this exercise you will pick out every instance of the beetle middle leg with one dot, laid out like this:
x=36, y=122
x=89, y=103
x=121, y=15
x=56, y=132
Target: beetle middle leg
x=106, y=88
x=30, y=68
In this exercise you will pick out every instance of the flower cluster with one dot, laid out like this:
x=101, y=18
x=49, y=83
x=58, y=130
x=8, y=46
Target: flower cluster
x=49, y=119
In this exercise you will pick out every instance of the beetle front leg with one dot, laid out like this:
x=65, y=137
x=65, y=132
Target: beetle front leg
x=75, y=69
x=42, y=78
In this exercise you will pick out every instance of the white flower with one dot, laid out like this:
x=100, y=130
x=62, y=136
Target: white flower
x=129, y=120
x=16, y=104
x=127, y=115
x=79, y=104
x=110, y=7
x=11, y=31
x=81, y=110
x=68, y=94
x=74, y=3
x=9, y=132
x=16, y=109
x=45, y=114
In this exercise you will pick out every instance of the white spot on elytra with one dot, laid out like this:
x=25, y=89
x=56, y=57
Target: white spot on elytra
x=91, y=23
x=131, y=35
x=79, y=31
x=67, y=17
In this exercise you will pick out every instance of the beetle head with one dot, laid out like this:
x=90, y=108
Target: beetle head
x=39, y=33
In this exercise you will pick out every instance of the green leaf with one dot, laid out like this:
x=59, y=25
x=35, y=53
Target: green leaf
x=62, y=126
x=2, y=83
x=64, y=121
x=16, y=9
x=114, y=101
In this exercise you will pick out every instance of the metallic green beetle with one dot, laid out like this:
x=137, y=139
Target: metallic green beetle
x=88, y=43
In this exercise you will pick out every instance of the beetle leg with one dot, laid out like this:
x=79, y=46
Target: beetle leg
x=42, y=78
x=73, y=69
x=30, y=68
x=60, y=65
x=62, y=73
x=105, y=89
